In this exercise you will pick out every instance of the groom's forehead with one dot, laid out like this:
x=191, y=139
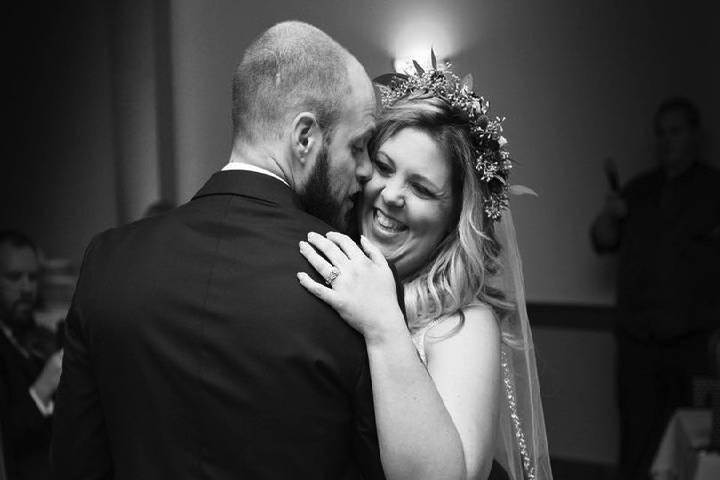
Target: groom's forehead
x=361, y=121
x=367, y=127
x=355, y=123
x=352, y=132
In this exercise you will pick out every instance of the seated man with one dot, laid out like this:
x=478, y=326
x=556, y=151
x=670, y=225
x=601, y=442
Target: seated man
x=29, y=373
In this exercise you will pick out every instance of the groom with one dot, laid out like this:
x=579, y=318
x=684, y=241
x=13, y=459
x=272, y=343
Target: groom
x=191, y=350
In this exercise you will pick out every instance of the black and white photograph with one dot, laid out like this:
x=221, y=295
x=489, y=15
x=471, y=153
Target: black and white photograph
x=360, y=240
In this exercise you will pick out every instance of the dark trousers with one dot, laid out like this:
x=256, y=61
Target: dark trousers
x=654, y=378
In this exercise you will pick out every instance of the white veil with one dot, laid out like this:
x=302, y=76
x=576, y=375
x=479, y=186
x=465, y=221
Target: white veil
x=522, y=447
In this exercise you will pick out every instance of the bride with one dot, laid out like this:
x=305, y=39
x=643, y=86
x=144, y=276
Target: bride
x=454, y=381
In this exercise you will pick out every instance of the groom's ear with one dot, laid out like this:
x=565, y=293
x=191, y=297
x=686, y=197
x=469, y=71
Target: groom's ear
x=306, y=138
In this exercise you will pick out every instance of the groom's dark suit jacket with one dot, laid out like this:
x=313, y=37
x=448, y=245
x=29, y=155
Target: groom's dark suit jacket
x=192, y=352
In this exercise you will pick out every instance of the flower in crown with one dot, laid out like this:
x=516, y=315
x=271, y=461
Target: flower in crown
x=492, y=161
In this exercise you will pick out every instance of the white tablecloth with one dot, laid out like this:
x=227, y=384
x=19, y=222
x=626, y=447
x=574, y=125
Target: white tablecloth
x=680, y=456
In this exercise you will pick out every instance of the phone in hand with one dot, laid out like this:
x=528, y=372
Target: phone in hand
x=611, y=173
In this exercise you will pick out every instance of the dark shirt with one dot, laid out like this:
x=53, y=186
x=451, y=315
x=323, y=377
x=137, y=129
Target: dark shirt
x=669, y=269
x=25, y=430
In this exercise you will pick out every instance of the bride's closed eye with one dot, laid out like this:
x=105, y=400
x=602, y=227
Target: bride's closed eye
x=385, y=167
x=423, y=191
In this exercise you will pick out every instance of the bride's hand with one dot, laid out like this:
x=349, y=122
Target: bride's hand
x=362, y=287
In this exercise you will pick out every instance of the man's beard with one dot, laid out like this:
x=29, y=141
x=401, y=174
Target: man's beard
x=19, y=318
x=318, y=199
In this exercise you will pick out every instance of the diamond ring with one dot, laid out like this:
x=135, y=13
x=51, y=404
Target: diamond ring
x=334, y=273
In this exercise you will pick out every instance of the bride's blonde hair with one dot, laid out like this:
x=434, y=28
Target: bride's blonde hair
x=458, y=269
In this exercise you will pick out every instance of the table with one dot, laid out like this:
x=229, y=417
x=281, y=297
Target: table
x=680, y=455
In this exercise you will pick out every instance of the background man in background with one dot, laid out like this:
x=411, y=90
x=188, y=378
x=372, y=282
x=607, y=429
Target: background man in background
x=665, y=225
x=29, y=375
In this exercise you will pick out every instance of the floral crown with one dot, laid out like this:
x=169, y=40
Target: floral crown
x=492, y=161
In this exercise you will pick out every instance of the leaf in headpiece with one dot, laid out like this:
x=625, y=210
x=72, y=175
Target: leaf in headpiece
x=433, y=60
x=467, y=81
x=389, y=79
x=382, y=89
x=522, y=190
x=418, y=68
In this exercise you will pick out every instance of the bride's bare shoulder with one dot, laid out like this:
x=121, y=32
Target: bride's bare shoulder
x=474, y=327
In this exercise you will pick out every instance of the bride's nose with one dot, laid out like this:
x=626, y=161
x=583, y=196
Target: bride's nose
x=393, y=194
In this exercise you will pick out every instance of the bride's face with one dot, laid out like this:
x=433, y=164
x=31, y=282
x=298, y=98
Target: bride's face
x=407, y=205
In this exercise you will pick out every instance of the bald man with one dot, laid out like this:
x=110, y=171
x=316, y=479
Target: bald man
x=191, y=350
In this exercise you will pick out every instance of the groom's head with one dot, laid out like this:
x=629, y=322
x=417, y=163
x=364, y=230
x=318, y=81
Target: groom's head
x=308, y=106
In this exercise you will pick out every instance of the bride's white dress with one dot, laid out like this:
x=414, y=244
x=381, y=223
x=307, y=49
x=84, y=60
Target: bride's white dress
x=521, y=442
x=511, y=452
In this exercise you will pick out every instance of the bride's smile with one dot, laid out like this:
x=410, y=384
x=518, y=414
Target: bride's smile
x=386, y=224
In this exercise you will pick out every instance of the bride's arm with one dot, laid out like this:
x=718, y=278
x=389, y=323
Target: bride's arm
x=465, y=368
x=421, y=417
x=417, y=436
x=424, y=431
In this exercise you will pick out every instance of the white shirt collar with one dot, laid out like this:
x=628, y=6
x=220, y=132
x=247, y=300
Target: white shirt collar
x=252, y=168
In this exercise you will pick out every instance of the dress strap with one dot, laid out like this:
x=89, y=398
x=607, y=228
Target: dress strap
x=418, y=339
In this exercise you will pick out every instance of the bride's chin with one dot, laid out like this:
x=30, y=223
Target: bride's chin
x=391, y=251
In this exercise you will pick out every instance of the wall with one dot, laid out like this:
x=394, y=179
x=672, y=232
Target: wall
x=575, y=352
x=578, y=82
x=134, y=116
x=91, y=131
x=142, y=106
x=57, y=177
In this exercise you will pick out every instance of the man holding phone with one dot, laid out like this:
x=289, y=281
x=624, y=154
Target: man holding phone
x=665, y=227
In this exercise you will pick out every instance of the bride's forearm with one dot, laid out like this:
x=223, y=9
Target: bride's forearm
x=416, y=433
